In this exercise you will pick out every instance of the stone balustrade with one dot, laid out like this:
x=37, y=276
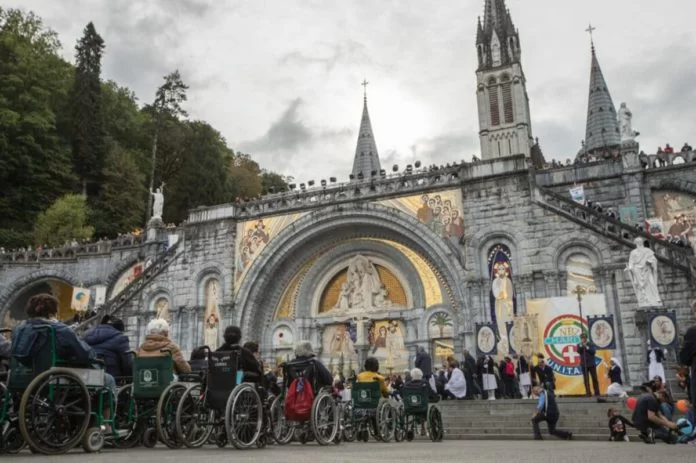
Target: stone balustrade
x=72, y=252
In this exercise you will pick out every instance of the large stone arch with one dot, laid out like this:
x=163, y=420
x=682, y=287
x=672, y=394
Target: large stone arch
x=485, y=240
x=14, y=289
x=576, y=246
x=280, y=256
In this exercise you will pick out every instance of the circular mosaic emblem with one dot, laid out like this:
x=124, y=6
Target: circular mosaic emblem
x=662, y=330
x=486, y=339
x=602, y=334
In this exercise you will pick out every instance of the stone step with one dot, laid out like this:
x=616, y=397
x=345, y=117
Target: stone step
x=530, y=436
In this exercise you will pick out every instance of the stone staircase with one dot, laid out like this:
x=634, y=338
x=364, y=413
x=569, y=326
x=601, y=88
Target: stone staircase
x=681, y=258
x=133, y=289
x=510, y=419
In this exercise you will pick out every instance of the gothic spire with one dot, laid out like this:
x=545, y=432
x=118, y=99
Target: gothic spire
x=602, y=130
x=497, y=39
x=366, y=159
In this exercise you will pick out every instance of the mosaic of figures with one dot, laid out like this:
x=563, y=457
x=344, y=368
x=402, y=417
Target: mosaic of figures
x=127, y=278
x=677, y=211
x=441, y=212
x=384, y=341
x=211, y=330
x=502, y=295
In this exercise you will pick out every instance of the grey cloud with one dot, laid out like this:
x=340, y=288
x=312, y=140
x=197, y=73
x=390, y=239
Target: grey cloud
x=289, y=133
x=331, y=54
x=446, y=148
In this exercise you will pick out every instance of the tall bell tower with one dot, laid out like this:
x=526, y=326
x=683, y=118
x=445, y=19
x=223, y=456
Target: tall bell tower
x=505, y=126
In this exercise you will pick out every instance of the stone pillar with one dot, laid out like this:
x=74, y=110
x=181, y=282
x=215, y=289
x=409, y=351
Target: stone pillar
x=523, y=291
x=552, y=287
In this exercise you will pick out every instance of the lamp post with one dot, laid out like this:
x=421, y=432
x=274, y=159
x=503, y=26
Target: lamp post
x=581, y=291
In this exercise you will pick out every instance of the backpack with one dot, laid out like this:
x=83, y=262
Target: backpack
x=299, y=399
x=510, y=369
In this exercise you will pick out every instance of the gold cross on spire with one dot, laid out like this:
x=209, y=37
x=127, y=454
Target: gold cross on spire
x=364, y=84
x=590, y=30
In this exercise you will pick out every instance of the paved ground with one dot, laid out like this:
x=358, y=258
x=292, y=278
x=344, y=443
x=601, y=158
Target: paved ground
x=416, y=452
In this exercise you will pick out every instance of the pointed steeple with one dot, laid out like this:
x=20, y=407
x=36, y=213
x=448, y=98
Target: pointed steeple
x=366, y=159
x=497, y=40
x=602, y=130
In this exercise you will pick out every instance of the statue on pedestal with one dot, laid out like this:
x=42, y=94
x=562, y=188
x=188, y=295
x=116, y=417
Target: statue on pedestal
x=157, y=202
x=642, y=269
x=363, y=289
x=625, y=127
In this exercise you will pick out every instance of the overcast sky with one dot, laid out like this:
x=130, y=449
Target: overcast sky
x=280, y=79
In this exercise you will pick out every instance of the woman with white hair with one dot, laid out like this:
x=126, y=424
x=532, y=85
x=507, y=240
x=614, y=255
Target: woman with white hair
x=304, y=353
x=157, y=339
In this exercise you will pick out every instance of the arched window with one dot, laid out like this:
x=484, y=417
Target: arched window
x=579, y=269
x=507, y=99
x=494, y=104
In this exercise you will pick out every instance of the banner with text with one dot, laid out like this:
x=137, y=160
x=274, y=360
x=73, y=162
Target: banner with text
x=559, y=335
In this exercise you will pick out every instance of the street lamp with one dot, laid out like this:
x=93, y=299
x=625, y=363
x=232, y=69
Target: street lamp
x=581, y=291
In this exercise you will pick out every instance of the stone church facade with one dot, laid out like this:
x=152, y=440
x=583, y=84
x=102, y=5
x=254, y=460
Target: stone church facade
x=388, y=262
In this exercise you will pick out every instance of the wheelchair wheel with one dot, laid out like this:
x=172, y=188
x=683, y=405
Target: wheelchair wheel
x=435, y=424
x=166, y=415
x=55, y=411
x=325, y=420
x=282, y=430
x=150, y=438
x=221, y=439
x=194, y=422
x=126, y=421
x=399, y=424
x=12, y=442
x=347, y=424
x=93, y=440
x=244, y=416
x=386, y=419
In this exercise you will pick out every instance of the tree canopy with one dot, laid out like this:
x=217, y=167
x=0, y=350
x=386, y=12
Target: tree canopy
x=65, y=130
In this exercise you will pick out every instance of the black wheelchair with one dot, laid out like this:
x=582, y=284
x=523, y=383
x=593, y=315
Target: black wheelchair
x=62, y=401
x=370, y=413
x=324, y=422
x=225, y=406
x=416, y=410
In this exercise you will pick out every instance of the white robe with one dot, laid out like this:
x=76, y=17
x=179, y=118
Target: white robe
x=457, y=384
x=655, y=368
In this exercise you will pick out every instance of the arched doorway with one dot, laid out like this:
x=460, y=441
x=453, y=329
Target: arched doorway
x=63, y=291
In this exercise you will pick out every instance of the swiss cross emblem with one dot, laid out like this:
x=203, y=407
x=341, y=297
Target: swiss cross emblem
x=571, y=356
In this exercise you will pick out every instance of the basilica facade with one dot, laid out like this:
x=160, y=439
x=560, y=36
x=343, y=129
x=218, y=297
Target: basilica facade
x=498, y=255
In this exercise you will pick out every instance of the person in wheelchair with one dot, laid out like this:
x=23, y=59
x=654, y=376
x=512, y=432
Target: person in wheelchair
x=5, y=347
x=305, y=353
x=247, y=361
x=157, y=340
x=112, y=346
x=269, y=379
x=199, y=360
x=418, y=383
x=28, y=338
x=371, y=373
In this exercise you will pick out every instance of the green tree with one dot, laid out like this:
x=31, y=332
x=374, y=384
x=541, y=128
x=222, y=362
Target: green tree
x=166, y=108
x=244, y=176
x=271, y=180
x=65, y=220
x=87, y=127
x=201, y=180
x=35, y=164
x=121, y=202
x=125, y=123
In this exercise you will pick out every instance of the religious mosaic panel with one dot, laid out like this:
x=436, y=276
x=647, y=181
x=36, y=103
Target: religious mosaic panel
x=211, y=327
x=678, y=213
x=502, y=295
x=338, y=349
x=386, y=340
x=440, y=326
x=254, y=235
x=442, y=212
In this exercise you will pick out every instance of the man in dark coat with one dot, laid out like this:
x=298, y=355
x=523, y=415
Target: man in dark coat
x=424, y=362
x=547, y=410
x=544, y=373
x=587, y=353
x=470, y=374
x=112, y=346
x=247, y=362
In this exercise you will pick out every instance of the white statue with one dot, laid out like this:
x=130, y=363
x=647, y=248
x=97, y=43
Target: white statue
x=162, y=308
x=642, y=268
x=158, y=202
x=344, y=298
x=625, y=117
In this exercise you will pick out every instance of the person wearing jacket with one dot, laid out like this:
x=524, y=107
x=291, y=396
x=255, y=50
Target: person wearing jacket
x=547, y=410
x=544, y=373
x=157, y=340
x=304, y=353
x=615, y=383
x=424, y=362
x=247, y=362
x=112, y=346
x=587, y=353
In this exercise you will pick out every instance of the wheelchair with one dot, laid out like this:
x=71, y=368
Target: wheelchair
x=62, y=402
x=370, y=414
x=416, y=410
x=223, y=406
x=324, y=422
x=11, y=440
x=146, y=411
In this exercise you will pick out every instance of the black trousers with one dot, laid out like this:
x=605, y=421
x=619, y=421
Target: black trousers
x=587, y=372
x=551, y=423
x=659, y=432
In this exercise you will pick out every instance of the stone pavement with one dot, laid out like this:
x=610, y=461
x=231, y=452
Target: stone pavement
x=416, y=452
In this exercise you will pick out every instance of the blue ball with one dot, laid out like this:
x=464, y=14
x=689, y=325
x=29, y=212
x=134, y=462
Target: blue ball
x=686, y=430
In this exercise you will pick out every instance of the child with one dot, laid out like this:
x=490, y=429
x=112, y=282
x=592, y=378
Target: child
x=617, y=426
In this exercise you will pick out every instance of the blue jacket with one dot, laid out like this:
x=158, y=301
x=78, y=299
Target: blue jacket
x=28, y=341
x=112, y=347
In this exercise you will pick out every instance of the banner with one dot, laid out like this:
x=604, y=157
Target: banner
x=655, y=227
x=99, y=295
x=628, y=215
x=486, y=339
x=602, y=334
x=662, y=325
x=508, y=329
x=80, y=299
x=559, y=335
x=577, y=194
